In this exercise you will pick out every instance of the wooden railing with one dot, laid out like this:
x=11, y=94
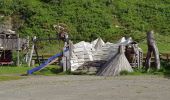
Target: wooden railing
x=163, y=56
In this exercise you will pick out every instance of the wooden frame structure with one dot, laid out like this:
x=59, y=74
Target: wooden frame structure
x=85, y=55
x=10, y=42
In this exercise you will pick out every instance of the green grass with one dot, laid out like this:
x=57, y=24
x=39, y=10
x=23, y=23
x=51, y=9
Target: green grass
x=50, y=70
x=164, y=71
x=163, y=43
x=13, y=70
x=7, y=78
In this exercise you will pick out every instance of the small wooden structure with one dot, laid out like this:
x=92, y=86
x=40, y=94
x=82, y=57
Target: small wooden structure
x=9, y=42
x=92, y=56
x=134, y=54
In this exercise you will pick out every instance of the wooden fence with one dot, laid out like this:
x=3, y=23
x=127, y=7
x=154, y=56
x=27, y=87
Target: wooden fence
x=163, y=56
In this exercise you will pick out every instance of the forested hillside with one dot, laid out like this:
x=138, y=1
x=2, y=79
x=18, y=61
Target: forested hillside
x=89, y=19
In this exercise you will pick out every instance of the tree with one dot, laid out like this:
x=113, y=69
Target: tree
x=152, y=48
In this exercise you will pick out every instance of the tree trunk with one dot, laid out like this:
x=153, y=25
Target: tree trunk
x=152, y=49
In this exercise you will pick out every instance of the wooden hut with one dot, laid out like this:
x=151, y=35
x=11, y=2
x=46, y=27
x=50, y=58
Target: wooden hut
x=9, y=41
x=94, y=55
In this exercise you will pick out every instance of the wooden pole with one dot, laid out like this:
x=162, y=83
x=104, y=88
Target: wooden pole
x=64, y=63
x=70, y=54
x=152, y=49
x=36, y=51
x=141, y=58
x=18, y=50
x=31, y=53
x=27, y=49
x=64, y=59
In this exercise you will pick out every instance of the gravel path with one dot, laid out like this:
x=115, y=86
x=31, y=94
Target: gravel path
x=86, y=88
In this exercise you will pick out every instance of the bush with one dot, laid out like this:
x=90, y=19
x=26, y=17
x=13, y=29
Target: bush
x=88, y=19
x=124, y=72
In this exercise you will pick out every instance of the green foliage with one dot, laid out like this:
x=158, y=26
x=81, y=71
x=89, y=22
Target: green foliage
x=89, y=19
x=165, y=68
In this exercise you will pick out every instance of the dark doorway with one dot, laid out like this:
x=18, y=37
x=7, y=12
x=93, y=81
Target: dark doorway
x=6, y=57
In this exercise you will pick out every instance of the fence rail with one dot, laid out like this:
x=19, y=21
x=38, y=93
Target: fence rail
x=163, y=56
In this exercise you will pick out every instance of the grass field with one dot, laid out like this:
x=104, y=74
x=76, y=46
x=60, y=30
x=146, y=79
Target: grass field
x=14, y=73
x=50, y=70
x=13, y=70
x=7, y=78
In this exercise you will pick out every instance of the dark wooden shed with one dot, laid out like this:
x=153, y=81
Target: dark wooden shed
x=9, y=42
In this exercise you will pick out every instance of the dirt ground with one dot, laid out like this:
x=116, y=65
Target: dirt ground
x=86, y=88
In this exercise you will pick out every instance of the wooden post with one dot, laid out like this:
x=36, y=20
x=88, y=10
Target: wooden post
x=27, y=44
x=32, y=62
x=31, y=53
x=136, y=55
x=167, y=57
x=141, y=58
x=152, y=48
x=69, y=55
x=36, y=52
x=64, y=63
x=18, y=50
x=64, y=60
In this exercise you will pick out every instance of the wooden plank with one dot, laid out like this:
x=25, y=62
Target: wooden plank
x=11, y=44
